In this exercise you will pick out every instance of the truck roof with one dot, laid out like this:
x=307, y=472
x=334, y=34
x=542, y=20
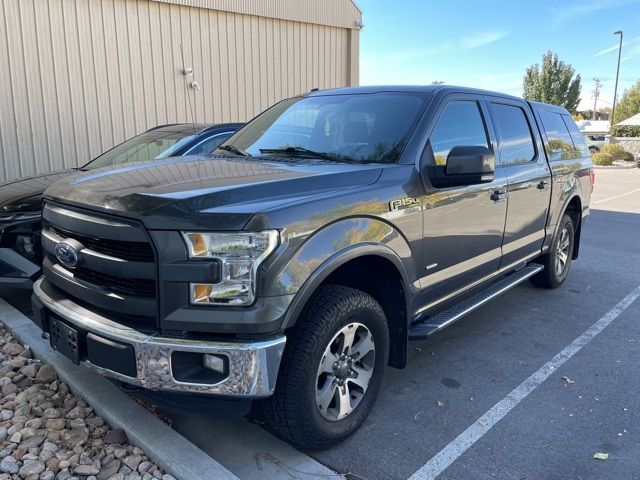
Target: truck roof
x=444, y=89
x=407, y=88
x=547, y=107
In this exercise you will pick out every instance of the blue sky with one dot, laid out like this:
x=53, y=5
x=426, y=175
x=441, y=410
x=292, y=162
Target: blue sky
x=489, y=44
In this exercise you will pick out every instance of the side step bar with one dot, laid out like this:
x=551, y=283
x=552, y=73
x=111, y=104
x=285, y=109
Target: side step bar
x=429, y=326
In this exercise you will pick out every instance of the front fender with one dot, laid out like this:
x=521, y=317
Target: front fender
x=333, y=246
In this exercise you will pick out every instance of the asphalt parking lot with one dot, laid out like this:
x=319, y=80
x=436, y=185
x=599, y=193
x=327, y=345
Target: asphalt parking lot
x=431, y=418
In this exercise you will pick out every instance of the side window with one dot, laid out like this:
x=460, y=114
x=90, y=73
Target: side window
x=559, y=144
x=461, y=124
x=576, y=135
x=209, y=145
x=514, y=134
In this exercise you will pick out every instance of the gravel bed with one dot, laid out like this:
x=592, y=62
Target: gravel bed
x=47, y=432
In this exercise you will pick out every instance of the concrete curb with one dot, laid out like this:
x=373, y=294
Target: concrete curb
x=615, y=167
x=168, y=449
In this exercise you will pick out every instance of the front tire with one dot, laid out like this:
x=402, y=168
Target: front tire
x=332, y=369
x=557, y=262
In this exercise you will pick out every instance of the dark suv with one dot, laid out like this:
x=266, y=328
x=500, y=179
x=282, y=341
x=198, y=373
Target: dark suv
x=326, y=234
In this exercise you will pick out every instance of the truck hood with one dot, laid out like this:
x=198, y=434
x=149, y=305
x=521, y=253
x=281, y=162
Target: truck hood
x=206, y=192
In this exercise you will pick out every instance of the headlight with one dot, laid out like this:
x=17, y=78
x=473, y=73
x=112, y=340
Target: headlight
x=240, y=254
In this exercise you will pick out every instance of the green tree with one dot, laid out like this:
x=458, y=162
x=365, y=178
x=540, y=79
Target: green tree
x=629, y=103
x=552, y=82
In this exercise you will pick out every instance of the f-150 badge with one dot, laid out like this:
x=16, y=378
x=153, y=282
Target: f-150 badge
x=403, y=203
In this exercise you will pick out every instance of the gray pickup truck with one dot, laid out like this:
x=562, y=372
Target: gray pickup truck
x=320, y=239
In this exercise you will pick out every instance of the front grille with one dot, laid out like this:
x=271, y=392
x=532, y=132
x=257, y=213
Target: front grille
x=115, y=272
x=126, y=286
x=131, y=251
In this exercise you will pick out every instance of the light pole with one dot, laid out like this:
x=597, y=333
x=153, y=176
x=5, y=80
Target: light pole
x=615, y=90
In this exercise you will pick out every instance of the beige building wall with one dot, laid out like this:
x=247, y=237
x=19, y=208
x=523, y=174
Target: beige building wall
x=80, y=76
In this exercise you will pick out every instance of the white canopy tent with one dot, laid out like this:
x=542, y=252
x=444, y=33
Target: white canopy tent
x=590, y=127
x=634, y=121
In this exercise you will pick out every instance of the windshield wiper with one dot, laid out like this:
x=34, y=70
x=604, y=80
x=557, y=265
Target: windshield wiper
x=232, y=149
x=304, y=151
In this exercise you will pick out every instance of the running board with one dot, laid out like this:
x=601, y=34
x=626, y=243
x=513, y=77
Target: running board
x=429, y=326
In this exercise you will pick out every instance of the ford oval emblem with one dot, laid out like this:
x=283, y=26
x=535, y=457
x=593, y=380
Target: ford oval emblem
x=67, y=255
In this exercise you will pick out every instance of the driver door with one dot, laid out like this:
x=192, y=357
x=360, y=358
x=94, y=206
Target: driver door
x=463, y=225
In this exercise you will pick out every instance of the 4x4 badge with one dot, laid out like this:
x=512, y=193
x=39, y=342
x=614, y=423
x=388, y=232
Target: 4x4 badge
x=403, y=203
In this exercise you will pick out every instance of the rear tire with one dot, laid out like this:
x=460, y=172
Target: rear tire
x=557, y=261
x=326, y=388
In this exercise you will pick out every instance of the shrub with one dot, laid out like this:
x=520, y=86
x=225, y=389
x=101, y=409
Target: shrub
x=617, y=152
x=602, y=158
x=626, y=131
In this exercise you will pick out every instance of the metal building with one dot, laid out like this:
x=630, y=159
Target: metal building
x=80, y=76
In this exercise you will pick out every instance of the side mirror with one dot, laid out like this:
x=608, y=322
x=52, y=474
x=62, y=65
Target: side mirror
x=470, y=166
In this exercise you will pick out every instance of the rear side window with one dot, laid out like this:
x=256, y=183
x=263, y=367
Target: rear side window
x=208, y=145
x=461, y=124
x=559, y=144
x=514, y=134
x=576, y=136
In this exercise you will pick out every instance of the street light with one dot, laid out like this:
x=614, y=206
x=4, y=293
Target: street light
x=615, y=90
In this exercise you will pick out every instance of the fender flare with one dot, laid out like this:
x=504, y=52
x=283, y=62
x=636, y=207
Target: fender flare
x=333, y=263
x=573, y=194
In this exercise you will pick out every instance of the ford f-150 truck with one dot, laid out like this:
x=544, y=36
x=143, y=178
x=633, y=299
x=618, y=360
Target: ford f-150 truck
x=319, y=240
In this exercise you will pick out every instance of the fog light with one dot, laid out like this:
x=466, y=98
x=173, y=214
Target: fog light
x=214, y=362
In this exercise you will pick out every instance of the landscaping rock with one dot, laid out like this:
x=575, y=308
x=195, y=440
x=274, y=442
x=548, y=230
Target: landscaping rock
x=86, y=470
x=46, y=374
x=109, y=470
x=9, y=465
x=33, y=467
x=74, y=437
x=48, y=433
x=115, y=436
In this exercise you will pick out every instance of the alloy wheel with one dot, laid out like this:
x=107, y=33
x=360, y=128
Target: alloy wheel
x=344, y=372
x=562, y=252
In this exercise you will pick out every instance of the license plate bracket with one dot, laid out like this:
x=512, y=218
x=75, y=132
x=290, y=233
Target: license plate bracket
x=64, y=339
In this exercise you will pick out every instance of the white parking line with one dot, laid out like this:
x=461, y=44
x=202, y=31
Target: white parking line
x=617, y=196
x=475, y=432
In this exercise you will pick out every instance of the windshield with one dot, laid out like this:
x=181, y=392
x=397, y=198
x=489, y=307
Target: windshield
x=154, y=144
x=359, y=128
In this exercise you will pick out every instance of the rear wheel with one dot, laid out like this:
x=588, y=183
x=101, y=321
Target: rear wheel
x=332, y=369
x=557, y=261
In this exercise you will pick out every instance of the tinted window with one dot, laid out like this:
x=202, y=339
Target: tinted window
x=559, y=144
x=576, y=135
x=364, y=128
x=461, y=124
x=154, y=144
x=208, y=145
x=514, y=134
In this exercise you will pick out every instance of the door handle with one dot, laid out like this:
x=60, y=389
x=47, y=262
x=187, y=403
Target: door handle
x=499, y=195
x=543, y=185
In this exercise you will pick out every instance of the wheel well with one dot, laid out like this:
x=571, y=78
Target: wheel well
x=379, y=278
x=574, y=210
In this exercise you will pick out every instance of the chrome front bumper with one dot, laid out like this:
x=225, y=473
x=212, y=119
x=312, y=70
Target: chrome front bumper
x=253, y=366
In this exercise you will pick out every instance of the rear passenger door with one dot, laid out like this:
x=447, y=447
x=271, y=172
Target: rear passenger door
x=528, y=175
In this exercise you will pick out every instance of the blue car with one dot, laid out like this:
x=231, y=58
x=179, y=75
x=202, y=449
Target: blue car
x=21, y=200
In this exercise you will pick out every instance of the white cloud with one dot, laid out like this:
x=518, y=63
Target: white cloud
x=578, y=8
x=614, y=48
x=480, y=39
x=403, y=56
